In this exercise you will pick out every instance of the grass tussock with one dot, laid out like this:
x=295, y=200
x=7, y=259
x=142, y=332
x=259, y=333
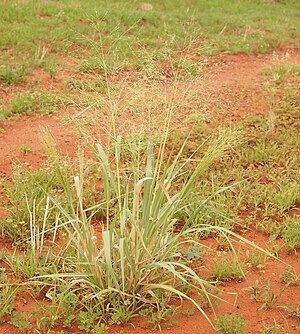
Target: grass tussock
x=135, y=259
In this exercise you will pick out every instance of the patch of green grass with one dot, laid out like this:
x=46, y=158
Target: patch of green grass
x=161, y=67
x=28, y=103
x=27, y=200
x=124, y=29
x=271, y=187
x=259, y=179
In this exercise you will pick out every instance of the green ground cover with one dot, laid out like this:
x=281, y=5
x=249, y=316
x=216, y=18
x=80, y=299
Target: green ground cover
x=106, y=37
x=33, y=30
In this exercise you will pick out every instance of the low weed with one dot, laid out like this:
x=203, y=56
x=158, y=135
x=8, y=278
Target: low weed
x=227, y=270
x=12, y=75
x=52, y=67
x=231, y=324
x=194, y=252
x=25, y=149
x=8, y=292
x=274, y=329
x=188, y=311
x=290, y=277
x=64, y=306
x=64, y=309
x=155, y=317
x=87, y=321
x=290, y=234
x=22, y=320
x=264, y=294
x=293, y=311
x=274, y=246
x=255, y=290
x=268, y=298
x=256, y=259
x=27, y=103
x=214, y=300
x=271, y=228
x=280, y=73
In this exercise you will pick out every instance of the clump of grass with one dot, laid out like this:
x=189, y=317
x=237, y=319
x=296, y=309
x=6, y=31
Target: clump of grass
x=136, y=259
x=12, y=75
